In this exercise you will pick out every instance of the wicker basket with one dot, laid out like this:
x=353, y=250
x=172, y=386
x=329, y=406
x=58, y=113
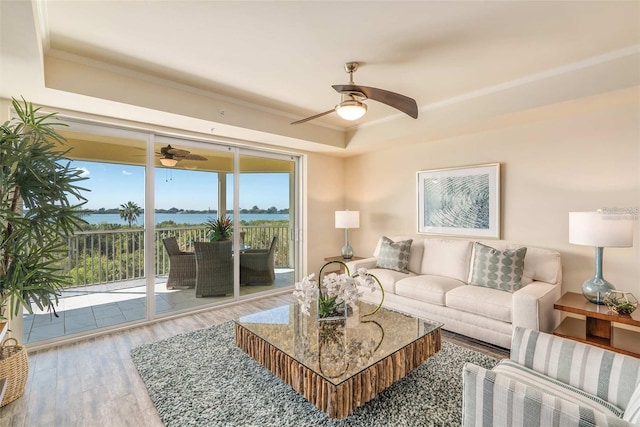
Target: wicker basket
x=14, y=366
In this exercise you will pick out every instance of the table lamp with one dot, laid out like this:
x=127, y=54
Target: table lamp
x=602, y=230
x=347, y=220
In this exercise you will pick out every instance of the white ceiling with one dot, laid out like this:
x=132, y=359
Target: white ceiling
x=285, y=55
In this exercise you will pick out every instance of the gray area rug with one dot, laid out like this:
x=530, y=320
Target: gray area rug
x=202, y=379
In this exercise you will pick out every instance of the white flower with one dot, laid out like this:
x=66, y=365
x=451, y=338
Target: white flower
x=342, y=287
x=305, y=293
x=365, y=279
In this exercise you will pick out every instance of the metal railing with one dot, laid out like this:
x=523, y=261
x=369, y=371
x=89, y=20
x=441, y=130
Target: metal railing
x=107, y=256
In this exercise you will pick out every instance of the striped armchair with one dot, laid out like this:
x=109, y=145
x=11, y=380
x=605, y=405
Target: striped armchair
x=552, y=381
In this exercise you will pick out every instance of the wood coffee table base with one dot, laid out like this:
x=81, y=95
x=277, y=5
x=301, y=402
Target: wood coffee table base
x=340, y=400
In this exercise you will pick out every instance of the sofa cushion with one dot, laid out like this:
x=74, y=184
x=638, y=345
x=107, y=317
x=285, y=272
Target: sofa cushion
x=632, y=413
x=394, y=255
x=388, y=278
x=555, y=387
x=543, y=265
x=449, y=258
x=428, y=288
x=486, y=302
x=415, y=256
x=493, y=268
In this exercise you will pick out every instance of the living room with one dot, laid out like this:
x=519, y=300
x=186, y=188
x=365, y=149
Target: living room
x=563, y=125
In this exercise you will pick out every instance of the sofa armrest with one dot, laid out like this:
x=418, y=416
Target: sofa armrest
x=368, y=263
x=492, y=399
x=603, y=373
x=533, y=307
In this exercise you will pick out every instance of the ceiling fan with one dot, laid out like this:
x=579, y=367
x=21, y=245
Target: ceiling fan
x=170, y=156
x=352, y=107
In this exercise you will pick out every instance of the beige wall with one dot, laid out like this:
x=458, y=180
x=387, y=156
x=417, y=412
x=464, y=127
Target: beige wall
x=324, y=194
x=584, y=156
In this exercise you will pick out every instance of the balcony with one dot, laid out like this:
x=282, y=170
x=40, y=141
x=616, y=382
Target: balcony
x=108, y=282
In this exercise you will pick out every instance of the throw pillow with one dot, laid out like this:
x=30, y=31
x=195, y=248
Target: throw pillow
x=497, y=269
x=394, y=255
x=632, y=413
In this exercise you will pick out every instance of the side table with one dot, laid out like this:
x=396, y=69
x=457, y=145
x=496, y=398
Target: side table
x=339, y=258
x=600, y=326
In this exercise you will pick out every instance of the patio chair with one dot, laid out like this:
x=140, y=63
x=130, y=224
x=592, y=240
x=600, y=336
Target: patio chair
x=214, y=268
x=182, y=265
x=257, y=266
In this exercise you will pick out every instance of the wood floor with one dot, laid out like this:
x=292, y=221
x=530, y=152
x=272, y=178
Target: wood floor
x=94, y=382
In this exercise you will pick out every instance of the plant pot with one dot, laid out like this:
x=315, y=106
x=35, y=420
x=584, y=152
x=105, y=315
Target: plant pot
x=14, y=367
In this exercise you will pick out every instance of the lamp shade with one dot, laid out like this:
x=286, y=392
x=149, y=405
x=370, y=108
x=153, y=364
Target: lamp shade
x=347, y=219
x=351, y=110
x=168, y=162
x=600, y=229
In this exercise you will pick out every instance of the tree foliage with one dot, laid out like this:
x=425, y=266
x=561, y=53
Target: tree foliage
x=37, y=186
x=130, y=212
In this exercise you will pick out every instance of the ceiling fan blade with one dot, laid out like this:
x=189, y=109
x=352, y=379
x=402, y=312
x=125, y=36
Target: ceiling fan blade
x=314, y=117
x=192, y=157
x=403, y=103
x=177, y=152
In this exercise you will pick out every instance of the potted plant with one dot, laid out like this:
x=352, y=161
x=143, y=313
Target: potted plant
x=219, y=229
x=40, y=206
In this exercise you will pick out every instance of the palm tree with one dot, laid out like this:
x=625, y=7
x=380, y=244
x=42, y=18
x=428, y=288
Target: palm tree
x=130, y=212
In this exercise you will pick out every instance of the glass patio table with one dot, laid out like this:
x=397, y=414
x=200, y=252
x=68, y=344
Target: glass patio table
x=338, y=365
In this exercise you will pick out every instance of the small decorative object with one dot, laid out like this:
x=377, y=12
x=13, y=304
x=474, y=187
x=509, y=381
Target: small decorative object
x=347, y=220
x=462, y=201
x=602, y=230
x=335, y=293
x=219, y=229
x=621, y=302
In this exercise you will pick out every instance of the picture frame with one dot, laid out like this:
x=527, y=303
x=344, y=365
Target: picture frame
x=460, y=201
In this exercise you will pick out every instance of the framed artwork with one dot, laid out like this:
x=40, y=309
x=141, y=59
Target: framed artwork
x=462, y=201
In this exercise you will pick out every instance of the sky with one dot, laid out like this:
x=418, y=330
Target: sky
x=114, y=184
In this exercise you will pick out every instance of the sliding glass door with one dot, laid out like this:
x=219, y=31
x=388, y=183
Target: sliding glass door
x=194, y=264
x=105, y=258
x=173, y=225
x=267, y=214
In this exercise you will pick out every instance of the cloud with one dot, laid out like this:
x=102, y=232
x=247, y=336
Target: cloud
x=126, y=173
x=85, y=172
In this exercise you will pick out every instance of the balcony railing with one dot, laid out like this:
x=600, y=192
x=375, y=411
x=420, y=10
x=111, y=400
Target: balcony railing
x=107, y=256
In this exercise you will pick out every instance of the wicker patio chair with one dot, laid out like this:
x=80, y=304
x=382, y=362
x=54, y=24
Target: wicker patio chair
x=257, y=266
x=214, y=268
x=182, y=265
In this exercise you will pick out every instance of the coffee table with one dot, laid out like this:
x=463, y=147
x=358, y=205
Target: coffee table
x=338, y=366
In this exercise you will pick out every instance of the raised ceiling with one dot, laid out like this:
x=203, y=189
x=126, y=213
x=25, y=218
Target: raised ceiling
x=240, y=72
x=284, y=56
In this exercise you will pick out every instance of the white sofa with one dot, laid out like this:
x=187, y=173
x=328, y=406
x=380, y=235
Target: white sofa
x=436, y=287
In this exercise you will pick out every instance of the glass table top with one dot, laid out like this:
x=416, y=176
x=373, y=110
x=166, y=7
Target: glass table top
x=337, y=350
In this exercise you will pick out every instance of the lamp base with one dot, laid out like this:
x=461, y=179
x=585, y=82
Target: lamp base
x=347, y=252
x=595, y=289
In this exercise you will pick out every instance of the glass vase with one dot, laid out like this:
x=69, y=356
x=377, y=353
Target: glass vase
x=330, y=311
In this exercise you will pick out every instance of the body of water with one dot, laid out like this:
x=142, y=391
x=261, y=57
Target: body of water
x=185, y=218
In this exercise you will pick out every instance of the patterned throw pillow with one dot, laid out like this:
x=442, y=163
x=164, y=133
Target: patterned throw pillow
x=394, y=255
x=496, y=269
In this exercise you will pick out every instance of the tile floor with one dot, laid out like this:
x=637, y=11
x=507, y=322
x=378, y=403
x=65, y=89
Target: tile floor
x=93, y=307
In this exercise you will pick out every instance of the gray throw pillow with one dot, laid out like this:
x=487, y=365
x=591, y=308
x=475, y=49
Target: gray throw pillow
x=497, y=269
x=394, y=255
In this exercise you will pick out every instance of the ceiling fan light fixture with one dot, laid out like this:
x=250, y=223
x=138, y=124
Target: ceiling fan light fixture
x=351, y=109
x=168, y=162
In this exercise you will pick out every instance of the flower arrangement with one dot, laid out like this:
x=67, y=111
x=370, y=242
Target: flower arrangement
x=335, y=292
x=219, y=229
x=621, y=302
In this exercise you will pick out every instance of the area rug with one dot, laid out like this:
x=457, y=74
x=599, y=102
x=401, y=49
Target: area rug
x=202, y=379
